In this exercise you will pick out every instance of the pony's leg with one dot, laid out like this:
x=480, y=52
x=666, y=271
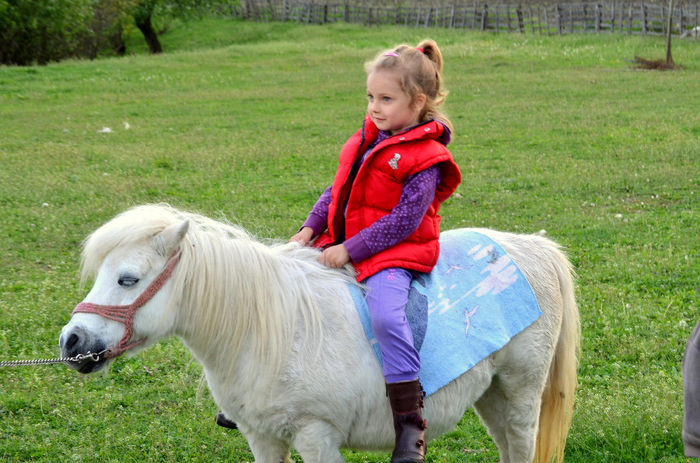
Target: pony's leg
x=318, y=442
x=491, y=408
x=523, y=395
x=266, y=449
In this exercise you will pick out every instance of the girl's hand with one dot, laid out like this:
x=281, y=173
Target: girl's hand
x=303, y=236
x=334, y=256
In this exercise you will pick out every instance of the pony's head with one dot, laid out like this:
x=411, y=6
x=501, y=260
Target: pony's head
x=126, y=309
x=229, y=295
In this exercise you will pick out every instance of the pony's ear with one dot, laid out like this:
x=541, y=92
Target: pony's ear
x=169, y=239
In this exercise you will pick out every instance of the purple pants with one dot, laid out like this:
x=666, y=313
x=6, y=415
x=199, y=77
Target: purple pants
x=387, y=295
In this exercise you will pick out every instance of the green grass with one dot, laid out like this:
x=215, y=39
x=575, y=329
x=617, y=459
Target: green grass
x=244, y=121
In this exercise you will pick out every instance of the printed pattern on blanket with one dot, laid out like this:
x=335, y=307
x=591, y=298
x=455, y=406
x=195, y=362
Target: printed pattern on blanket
x=473, y=302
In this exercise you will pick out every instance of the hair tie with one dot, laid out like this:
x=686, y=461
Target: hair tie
x=391, y=53
x=420, y=50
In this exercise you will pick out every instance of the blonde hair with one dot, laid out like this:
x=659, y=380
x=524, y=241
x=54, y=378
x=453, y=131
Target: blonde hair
x=420, y=71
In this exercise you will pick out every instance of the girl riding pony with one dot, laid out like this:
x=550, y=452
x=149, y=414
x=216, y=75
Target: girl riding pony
x=381, y=214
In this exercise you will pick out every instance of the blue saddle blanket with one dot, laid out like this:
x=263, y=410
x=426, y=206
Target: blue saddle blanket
x=472, y=303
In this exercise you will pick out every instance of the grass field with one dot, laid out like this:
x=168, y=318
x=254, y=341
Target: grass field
x=244, y=121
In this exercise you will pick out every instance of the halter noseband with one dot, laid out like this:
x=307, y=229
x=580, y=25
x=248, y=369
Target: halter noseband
x=125, y=313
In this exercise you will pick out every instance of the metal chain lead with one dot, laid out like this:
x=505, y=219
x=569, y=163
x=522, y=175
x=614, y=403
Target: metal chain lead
x=78, y=358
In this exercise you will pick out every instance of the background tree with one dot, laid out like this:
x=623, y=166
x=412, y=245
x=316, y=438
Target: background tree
x=108, y=23
x=144, y=12
x=40, y=31
x=669, y=25
x=37, y=31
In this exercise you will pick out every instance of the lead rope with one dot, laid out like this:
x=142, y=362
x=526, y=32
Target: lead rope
x=78, y=358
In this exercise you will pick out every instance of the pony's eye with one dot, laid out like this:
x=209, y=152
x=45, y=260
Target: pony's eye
x=127, y=280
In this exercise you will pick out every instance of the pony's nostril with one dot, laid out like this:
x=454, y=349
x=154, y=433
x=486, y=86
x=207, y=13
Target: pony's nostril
x=72, y=340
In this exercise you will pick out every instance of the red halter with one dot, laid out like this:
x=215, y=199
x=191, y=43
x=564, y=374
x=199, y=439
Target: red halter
x=125, y=313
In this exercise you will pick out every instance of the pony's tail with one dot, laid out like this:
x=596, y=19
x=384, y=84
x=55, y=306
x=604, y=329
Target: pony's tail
x=558, y=396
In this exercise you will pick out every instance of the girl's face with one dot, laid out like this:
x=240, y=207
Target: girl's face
x=389, y=107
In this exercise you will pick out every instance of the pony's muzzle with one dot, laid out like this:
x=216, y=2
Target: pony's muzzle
x=76, y=340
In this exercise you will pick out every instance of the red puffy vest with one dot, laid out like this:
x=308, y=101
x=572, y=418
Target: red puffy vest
x=377, y=187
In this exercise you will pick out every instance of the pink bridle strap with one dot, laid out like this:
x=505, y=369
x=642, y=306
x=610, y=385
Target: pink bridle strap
x=124, y=314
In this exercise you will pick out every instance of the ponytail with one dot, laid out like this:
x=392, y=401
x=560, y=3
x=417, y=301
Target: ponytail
x=431, y=50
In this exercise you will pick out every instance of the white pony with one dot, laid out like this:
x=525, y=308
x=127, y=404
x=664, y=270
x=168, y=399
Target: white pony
x=283, y=349
x=694, y=32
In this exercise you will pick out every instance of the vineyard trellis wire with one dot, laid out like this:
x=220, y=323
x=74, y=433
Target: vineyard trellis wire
x=564, y=18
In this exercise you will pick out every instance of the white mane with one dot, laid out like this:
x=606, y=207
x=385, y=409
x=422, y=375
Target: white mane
x=230, y=292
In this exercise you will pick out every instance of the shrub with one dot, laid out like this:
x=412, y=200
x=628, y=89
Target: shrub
x=36, y=31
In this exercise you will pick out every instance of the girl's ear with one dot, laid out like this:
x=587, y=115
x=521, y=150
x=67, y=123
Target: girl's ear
x=419, y=102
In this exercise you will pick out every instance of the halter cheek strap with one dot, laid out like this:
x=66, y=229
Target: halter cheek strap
x=124, y=314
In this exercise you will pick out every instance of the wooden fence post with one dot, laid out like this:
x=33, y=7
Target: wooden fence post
x=572, y=24
x=532, y=19
x=497, y=15
x=484, y=17
x=519, y=12
x=612, y=18
x=559, y=19
x=631, y=17
x=598, y=17
x=664, y=20
x=644, y=19
x=508, y=17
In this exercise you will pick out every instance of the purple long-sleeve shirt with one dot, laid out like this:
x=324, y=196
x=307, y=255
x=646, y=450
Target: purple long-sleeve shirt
x=417, y=195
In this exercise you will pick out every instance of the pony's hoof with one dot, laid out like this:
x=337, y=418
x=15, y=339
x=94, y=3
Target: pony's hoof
x=221, y=420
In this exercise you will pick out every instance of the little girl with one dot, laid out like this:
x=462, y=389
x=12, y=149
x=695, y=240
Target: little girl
x=381, y=214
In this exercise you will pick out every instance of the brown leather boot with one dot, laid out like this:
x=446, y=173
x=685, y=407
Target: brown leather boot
x=406, y=399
